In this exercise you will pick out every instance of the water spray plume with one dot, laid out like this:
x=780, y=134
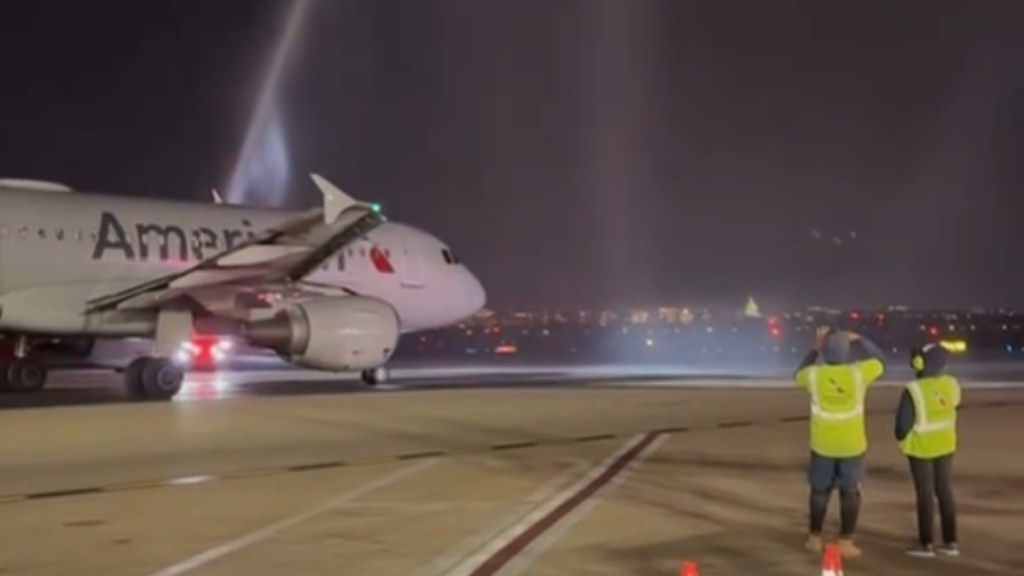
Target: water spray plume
x=263, y=163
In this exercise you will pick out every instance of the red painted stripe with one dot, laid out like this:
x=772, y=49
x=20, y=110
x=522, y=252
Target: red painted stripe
x=499, y=559
x=380, y=261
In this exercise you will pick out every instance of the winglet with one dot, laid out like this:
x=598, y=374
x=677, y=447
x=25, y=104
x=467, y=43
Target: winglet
x=216, y=196
x=335, y=200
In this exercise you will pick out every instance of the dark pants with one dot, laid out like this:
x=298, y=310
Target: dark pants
x=825, y=474
x=933, y=480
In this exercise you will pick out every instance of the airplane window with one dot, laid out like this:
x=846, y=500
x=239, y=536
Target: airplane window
x=60, y=234
x=42, y=233
x=447, y=256
x=450, y=257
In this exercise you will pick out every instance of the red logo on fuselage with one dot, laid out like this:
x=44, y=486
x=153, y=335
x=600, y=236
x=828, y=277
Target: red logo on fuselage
x=380, y=261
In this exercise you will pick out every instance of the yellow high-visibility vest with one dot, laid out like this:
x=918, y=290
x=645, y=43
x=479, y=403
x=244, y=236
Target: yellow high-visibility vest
x=837, y=394
x=935, y=400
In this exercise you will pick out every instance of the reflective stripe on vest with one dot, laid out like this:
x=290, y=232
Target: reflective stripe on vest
x=922, y=423
x=816, y=410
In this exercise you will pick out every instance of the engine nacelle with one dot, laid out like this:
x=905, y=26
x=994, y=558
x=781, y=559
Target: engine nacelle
x=337, y=334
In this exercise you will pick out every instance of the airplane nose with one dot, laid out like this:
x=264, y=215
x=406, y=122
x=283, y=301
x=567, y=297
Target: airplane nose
x=476, y=296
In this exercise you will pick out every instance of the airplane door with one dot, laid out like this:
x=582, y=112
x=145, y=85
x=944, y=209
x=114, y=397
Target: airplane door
x=411, y=267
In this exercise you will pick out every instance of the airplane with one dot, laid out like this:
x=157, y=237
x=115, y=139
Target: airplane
x=330, y=288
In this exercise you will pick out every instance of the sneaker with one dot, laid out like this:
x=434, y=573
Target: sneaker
x=921, y=551
x=948, y=550
x=847, y=549
x=813, y=544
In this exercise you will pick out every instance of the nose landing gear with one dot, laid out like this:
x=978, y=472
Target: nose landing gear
x=376, y=376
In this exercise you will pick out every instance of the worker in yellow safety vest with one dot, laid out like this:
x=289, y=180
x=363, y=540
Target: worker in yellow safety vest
x=837, y=388
x=926, y=432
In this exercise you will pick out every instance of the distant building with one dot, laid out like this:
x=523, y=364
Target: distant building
x=751, y=310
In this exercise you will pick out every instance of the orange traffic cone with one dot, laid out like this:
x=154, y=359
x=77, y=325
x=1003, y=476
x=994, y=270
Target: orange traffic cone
x=831, y=561
x=689, y=568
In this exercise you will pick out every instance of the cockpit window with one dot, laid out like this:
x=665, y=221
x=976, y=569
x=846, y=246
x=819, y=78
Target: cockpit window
x=449, y=256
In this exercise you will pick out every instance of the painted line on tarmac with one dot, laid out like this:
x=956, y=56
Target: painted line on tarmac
x=420, y=455
x=509, y=545
x=534, y=550
x=257, y=536
x=457, y=555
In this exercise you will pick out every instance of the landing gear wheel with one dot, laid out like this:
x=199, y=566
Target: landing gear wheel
x=25, y=375
x=153, y=378
x=133, y=377
x=375, y=376
x=161, y=378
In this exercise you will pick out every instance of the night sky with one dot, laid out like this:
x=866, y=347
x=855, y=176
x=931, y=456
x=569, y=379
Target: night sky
x=573, y=152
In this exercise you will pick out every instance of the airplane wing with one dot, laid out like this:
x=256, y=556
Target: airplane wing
x=284, y=254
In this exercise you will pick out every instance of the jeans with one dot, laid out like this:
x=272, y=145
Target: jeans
x=824, y=474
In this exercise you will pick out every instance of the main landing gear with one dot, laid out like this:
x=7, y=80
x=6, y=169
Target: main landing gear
x=158, y=377
x=153, y=378
x=378, y=375
x=23, y=373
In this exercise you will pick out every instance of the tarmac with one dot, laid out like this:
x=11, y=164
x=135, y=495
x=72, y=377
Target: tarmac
x=611, y=477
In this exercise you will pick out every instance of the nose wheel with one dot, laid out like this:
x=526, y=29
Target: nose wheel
x=376, y=376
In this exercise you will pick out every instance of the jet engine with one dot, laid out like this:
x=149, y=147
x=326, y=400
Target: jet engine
x=330, y=333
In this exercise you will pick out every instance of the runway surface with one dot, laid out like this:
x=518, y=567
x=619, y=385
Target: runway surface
x=269, y=377
x=473, y=475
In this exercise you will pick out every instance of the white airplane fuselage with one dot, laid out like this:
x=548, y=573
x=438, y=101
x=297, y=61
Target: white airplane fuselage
x=60, y=249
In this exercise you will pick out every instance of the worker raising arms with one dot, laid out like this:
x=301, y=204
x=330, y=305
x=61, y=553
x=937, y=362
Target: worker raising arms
x=838, y=440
